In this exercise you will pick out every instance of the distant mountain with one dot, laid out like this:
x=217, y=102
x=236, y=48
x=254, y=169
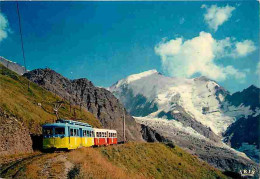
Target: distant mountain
x=99, y=101
x=194, y=113
x=244, y=133
x=19, y=69
x=247, y=97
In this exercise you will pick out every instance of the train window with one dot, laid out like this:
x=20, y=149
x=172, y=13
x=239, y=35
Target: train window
x=47, y=132
x=102, y=134
x=84, y=133
x=71, y=132
x=60, y=130
x=92, y=133
x=97, y=134
x=76, y=132
x=88, y=134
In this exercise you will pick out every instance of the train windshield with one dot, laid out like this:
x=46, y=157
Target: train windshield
x=59, y=130
x=47, y=132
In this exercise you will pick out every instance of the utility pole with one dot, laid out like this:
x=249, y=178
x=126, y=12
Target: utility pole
x=124, y=124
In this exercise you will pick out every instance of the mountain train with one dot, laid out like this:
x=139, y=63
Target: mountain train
x=69, y=134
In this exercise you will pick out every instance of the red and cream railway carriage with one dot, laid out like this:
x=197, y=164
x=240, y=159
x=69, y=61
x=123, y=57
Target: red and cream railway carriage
x=105, y=137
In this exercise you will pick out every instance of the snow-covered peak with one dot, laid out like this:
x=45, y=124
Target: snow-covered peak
x=200, y=97
x=134, y=77
x=138, y=76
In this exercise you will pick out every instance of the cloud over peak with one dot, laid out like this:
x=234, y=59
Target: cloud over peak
x=215, y=16
x=3, y=27
x=198, y=55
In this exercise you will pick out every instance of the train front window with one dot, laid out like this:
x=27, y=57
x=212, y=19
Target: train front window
x=47, y=132
x=60, y=130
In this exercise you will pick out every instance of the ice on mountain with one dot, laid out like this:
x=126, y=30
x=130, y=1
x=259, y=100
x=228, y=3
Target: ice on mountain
x=193, y=95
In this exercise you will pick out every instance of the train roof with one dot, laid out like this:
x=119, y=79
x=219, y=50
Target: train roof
x=69, y=123
x=104, y=130
x=72, y=122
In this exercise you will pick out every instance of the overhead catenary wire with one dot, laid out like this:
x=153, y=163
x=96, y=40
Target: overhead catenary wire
x=21, y=35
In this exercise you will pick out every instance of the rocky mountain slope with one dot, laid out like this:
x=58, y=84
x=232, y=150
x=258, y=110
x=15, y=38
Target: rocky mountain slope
x=14, y=135
x=244, y=133
x=12, y=66
x=98, y=101
x=194, y=113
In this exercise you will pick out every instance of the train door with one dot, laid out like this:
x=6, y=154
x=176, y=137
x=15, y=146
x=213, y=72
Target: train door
x=73, y=138
x=80, y=137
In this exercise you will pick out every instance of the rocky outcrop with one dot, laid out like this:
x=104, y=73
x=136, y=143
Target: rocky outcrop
x=14, y=137
x=150, y=135
x=98, y=101
x=243, y=135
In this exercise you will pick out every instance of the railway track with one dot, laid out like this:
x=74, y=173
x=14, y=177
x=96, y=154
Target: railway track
x=12, y=169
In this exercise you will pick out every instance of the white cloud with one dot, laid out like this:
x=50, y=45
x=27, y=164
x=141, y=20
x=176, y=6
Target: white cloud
x=199, y=55
x=244, y=48
x=3, y=27
x=216, y=16
x=231, y=48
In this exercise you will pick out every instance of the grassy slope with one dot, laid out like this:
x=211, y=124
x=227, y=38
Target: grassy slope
x=18, y=101
x=132, y=160
x=159, y=161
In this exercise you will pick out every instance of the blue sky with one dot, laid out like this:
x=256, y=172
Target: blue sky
x=107, y=41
